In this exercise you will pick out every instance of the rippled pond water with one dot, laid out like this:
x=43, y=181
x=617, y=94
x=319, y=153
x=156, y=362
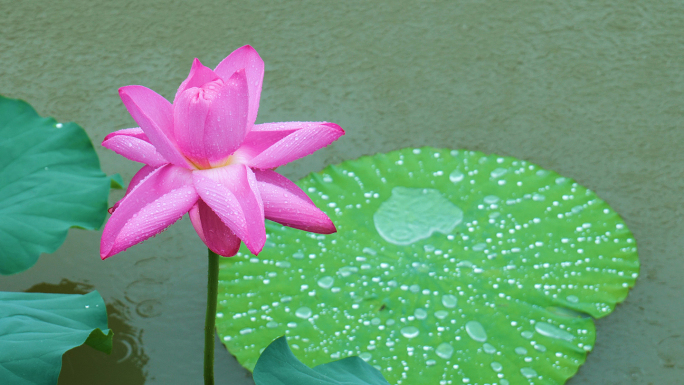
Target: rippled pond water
x=592, y=91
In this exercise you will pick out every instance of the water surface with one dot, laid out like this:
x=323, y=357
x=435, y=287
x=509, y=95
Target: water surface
x=591, y=90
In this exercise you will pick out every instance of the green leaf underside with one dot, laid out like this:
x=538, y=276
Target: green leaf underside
x=50, y=181
x=36, y=329
x=448, y=267
x=278, y=366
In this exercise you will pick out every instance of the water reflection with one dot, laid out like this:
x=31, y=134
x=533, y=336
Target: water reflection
x=84, y=365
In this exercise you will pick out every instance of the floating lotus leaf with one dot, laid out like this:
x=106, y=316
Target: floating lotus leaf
x=36, y=329
x=278, y=366
x=50, y=181
x=448, y=267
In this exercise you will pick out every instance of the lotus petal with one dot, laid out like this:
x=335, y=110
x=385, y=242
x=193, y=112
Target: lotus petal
x=154, y=114
x=199, y=75
x=133, y=144
x=210, y=122
x=155, y=203
x=288, y=205
x=214, y=233
x=232, y=193
x=272, y=145
x=248, y=59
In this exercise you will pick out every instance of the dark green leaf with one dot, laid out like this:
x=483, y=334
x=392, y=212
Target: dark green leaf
x=50, y=180
x=278, y=366
x=36, y=329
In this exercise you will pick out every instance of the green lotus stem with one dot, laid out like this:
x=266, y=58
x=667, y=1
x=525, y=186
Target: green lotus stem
x=210, y=318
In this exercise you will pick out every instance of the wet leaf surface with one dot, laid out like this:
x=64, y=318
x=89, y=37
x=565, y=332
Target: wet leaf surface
x=495, y=284
x=36, y=329
x=50, y=181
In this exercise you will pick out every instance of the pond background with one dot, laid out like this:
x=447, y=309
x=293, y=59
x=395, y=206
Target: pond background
x=592, y=90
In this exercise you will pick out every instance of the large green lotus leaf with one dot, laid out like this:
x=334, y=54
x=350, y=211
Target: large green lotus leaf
x=36, y=329
x=50, y=180
x=448, y=267
x=278, y=366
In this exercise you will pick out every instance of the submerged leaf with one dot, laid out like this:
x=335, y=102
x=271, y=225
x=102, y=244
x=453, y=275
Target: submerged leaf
x=447, y=267
x=50, y=180
x=278, y=366
x=36, y=329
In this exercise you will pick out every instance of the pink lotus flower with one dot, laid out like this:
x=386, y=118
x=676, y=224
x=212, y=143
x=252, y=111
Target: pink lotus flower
x=204, y=156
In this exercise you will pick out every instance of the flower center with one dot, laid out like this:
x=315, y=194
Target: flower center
x=232, y=159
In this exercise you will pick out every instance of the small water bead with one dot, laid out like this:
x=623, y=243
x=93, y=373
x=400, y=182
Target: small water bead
x=549, y=330
x=420, y=313
x=456, y=176
x=430, y=362
x=299, y=255
x=376, y=321
x=488, y=348
x=284, y=264
x=504, y=382
x=369, y=251
x=272, y=324
x=538, y=197
x=497, y=367
x=326, y=282
x=441, y=314
x=365, y=356
x=520, y=350
x=444, y=350
x=572, y=298
x=346, y=271
x=528, y=372
x=449, y=300
x=479, y=246
x=303, y=312
x=476, y=331
x=527, y=334
x=498, y=172
x=491, y=199
x=410, y=332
